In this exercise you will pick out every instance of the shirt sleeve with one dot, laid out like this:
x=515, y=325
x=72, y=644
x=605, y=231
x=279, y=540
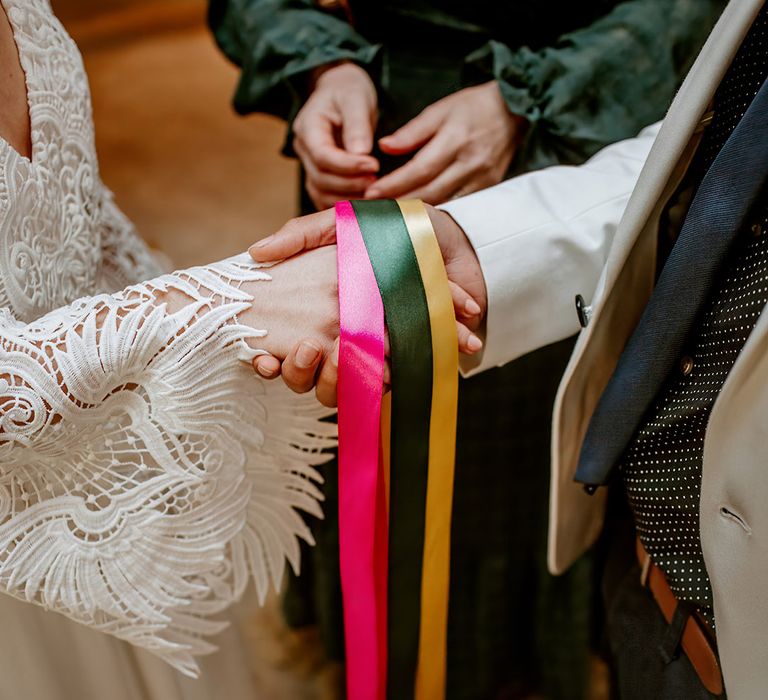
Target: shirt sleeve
x=146, y=473
x=602, y=83
x=541, y=239
x=277, y=43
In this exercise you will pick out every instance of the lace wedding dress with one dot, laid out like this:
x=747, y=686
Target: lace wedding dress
x=146, y=474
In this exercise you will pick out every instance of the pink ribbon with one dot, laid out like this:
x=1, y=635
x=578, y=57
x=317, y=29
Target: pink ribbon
x=362, y=511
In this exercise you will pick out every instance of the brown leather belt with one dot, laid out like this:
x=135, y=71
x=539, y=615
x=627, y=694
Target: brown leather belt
x=696, y=640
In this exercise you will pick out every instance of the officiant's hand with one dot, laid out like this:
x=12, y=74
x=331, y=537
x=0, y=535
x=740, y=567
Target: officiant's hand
x=316, y=230
x=461, y=144
x=333, y=134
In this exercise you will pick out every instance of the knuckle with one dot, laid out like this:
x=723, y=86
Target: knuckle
x=421, y=170
x=431, y=196
x=323, y=160
x=322, y=180
x=298, y=383
x=430, y=111
x=461, y=133
x=326, y=397
x=293, y=224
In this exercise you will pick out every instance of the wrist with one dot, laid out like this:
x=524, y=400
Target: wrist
x=341, y=72
x=317, y=74
x=518, y=124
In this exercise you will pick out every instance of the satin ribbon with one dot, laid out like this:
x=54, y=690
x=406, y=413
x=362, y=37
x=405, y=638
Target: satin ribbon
x=396, y=466
x=431, y=667
x=405, y=305
x=362, y=505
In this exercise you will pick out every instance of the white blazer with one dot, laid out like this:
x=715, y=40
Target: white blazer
x=592, y=230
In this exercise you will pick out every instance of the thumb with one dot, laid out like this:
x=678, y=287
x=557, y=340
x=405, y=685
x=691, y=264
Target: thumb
x=414, y=134
x=304, y=233
x=357, y=118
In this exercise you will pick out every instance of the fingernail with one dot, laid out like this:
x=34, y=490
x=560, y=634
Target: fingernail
x=265, y=372
x=373, y=193
x=264, y=241
x=472, y=308
x=306, y=356
x=474, y=343
x=368, y=167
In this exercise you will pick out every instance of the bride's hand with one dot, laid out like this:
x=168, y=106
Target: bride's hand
x=302, y=315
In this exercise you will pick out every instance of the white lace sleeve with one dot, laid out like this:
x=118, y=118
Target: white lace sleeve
x=145, y=472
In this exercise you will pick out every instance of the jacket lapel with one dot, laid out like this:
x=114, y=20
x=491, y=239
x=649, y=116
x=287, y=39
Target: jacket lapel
x=724, y=199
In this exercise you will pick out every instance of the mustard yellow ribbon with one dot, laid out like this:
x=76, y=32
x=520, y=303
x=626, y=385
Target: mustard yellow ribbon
x=433, y=630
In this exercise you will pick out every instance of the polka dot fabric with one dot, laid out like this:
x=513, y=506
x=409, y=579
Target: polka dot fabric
x=662, y=466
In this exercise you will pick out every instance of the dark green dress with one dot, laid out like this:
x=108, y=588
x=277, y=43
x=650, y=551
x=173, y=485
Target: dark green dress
x=584, y=74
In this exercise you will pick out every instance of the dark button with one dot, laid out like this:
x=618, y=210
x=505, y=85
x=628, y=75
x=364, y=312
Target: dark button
x=757, y=230
x=686, y=365
x=582, y=311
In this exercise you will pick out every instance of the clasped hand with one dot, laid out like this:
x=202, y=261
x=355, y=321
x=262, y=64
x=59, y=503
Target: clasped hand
x=305, y=347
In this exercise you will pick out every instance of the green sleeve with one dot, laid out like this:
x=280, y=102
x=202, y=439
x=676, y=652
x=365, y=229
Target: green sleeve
x=277, y=43
x=599, y=84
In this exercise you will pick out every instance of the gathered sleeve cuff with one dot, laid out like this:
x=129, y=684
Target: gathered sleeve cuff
x=599, y=84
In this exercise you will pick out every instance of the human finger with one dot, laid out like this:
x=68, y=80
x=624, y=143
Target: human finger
x=469, y=343
x=465, y=307
x=321, y=147
x=266, y=366
x=356, y=123
x=452, y=181
x=339, y=184
x=415, y=133
x=424, y=167
x=300, y=366
x=328, y=377
x=331, y=182
x=324, y=200
x=297, y=235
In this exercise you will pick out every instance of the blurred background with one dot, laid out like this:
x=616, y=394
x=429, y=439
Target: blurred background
x=200, y=182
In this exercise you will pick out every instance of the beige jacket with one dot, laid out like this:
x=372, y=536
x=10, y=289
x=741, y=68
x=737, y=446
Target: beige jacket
x=734, y=500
